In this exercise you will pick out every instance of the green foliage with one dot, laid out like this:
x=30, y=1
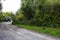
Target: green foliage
x=4, y=15
x=2, y=18
x=51, y=31
x=27, y=10
x=41, y=12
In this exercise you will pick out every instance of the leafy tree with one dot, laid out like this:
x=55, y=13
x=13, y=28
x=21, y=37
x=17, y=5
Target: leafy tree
x=41, y=12
x=26, y=9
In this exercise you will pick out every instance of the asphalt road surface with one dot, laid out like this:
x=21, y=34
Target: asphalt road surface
x=10, y=32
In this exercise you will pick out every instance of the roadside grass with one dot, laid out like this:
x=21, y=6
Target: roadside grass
x=50, y=31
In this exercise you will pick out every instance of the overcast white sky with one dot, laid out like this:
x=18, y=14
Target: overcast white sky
x=11, y=5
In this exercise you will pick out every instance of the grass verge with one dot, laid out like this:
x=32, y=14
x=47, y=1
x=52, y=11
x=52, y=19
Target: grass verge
x=51, y=31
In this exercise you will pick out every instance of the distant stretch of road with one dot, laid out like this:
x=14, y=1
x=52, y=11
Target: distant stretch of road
x=11, y=32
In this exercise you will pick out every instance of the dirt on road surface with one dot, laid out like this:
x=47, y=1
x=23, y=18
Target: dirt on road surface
x=11, y=32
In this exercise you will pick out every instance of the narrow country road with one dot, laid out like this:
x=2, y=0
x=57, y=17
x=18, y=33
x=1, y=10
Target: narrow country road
x=11, y=32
